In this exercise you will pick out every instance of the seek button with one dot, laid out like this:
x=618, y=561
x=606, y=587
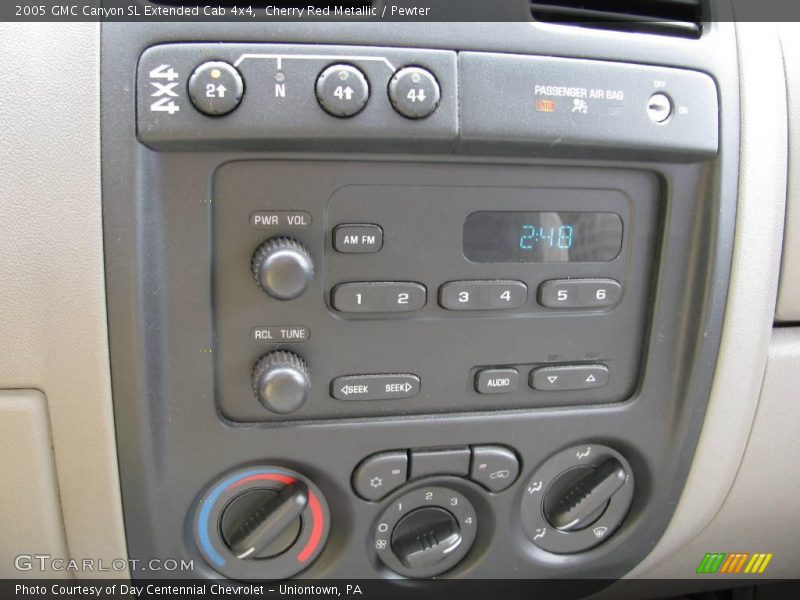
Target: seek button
x=375, y=387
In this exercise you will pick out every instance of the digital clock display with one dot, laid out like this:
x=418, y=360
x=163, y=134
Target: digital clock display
x=512, y=236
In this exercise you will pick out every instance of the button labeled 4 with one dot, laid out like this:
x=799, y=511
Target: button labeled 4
x=483, y=295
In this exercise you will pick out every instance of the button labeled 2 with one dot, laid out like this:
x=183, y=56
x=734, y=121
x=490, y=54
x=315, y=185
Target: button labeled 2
x=483, y=295
x=378, y=296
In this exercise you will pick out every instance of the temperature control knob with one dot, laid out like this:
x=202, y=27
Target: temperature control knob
x=283, y=268
x=261, y=522
x=281, y=381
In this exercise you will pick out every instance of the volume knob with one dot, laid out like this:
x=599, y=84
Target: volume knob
x=283, y=268
x=281, y=381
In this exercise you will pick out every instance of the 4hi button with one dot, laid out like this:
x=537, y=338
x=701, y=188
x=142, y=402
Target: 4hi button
x=216, y=88
x=414, y=92
x=342, y=90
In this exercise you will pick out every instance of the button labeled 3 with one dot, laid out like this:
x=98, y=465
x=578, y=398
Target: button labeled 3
x=483, y=295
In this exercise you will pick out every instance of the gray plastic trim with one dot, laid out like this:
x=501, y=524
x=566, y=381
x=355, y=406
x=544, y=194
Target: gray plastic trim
x=751, y=301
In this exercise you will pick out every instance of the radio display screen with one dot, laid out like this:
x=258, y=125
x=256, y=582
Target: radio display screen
x=537, y=237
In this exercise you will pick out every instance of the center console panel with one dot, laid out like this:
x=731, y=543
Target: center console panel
x=408, y=306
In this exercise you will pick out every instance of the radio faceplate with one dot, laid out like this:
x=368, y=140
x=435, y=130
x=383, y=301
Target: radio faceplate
x=377, y=328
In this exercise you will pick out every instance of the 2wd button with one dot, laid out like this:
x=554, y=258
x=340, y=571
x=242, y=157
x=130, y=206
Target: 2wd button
x=375, y=387
x=216, y=88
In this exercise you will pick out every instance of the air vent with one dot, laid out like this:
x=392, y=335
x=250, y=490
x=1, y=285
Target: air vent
x=681, y=18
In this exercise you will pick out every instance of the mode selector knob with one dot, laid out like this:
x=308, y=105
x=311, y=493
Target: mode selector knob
x=281, y=381
x=283, y=268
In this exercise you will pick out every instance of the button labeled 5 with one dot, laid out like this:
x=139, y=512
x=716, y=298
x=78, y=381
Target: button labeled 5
x=579, y=293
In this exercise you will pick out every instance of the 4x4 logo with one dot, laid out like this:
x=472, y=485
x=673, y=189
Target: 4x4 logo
x=165, y=92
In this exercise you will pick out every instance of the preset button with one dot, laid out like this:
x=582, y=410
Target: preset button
x=378, y=296
x=579, y=293
x=483, y=295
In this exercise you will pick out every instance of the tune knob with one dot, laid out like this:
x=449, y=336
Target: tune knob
x=282, y=267
x=281, y=381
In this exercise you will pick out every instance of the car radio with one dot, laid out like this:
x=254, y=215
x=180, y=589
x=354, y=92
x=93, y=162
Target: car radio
x=529, y=285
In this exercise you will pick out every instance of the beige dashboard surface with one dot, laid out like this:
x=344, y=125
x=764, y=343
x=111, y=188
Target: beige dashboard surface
x=52, y=295
x=789, y=294
x=719, y=510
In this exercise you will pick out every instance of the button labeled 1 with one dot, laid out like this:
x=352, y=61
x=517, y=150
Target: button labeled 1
x=579, y=293
x=378, y=296
x=483, y=295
